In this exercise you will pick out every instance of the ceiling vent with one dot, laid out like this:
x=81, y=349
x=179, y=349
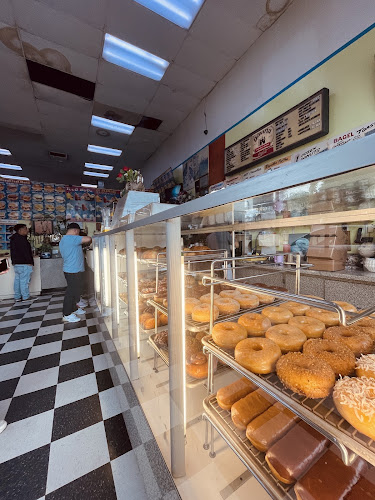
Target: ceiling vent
x=58, y=156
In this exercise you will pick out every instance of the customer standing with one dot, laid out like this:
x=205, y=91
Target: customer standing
x=22, y=260
x=74, y=267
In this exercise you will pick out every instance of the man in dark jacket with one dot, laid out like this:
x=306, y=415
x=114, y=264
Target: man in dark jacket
x=22, y=260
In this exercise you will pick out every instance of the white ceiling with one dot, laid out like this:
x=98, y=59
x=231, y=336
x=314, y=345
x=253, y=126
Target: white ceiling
x=68, y=35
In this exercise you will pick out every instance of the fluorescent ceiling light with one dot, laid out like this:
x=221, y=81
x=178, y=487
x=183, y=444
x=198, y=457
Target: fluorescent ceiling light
x=98, y=167
x=122, y=128
x=89, y=185
x=178, y=12
x=10, y=167
x=14, y=177
x=95, y=174
x=5, y=152
x=130, y=57
x=104, y=151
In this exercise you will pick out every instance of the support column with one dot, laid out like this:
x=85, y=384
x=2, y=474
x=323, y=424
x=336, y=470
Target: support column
x=132, y=280
x=114, y=285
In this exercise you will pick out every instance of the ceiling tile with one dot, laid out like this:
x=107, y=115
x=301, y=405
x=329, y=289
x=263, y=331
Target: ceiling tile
x=117, y=96
x=226, y=25
x=117, y=141
x=61, y=98
x=63, y=29
x=18, y=106
x=178, y=78
x=6, y=12
x=174, y=99
x=93, y=13
x=140, y=26
x=241, y=9
x=59, y=57
x=171, y=117
x=146, y=137
x=197, y=57
x=12, y=61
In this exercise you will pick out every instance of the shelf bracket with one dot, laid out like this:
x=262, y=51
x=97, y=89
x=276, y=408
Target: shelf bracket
x=347, y=456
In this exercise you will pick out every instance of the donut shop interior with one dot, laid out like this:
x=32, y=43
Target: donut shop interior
x=213, y=163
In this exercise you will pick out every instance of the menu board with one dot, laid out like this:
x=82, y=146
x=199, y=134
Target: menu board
x=304, y=123
x=48, y=201
x=103, y=198
x=80, y=204
x=15, y=200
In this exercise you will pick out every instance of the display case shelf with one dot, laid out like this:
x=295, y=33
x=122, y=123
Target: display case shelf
x=319, y=413
x=252, y=458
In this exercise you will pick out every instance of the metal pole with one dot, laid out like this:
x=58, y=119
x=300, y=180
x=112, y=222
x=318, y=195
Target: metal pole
x=176, y=346
x=114, y=284
x=131, y=266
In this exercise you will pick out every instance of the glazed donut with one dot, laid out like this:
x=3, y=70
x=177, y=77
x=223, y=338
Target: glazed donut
x=339, y=357
x=329, y=318
x=311, y=327
x=296, y=308
x=346, y=306
x=365, y=366
x=201, y=313
x=287, y=337
x=147, y=321
x=227, y=306
x=354, y=399
x=198, y=366
x=229, y=294
x=247, y=300
x=190, y=302
x=277, y=315
x=352, y=336
x=257, y=355
x=149, y=254
x=305, y=374
x=264, y=298
x=165, y=303
x=227, y=335
x=206, y=298
x=255, y=324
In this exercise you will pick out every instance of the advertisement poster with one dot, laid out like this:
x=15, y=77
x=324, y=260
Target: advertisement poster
x=80, y=204
x=15, y=200
x=103, y=198
x=195, y=168
x=47, y=201
x=6, y=231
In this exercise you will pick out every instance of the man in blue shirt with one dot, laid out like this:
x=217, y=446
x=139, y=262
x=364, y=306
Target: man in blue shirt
x=74, y=267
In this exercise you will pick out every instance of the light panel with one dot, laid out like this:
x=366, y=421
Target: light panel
x=98, y=167
x=16, y=177
x=133, y=58
x=95, y=174
x=180, y=12
x=10, y=167
x=103, y=151
x=89, y=185
x=5, y=152
x=121, y=128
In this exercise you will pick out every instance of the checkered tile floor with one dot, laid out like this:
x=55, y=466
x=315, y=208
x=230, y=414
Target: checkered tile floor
x=66, y=436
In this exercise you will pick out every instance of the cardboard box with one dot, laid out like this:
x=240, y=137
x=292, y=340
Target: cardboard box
x=326, y=265
x=329, y=241
x=326, y=230
x=321, y=207
x=338, y=252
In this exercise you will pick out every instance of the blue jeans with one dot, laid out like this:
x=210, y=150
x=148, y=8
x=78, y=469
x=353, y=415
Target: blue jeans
x=21, y=281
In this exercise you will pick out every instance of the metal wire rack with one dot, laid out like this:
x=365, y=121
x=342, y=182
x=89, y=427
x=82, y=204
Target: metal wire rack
x=252, y=458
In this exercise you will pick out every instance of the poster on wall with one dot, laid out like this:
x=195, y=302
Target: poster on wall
x=15, y=200
x=195, y=168
x=302, y=124
x=80, y=204
x=47, y=201
x=103, y=198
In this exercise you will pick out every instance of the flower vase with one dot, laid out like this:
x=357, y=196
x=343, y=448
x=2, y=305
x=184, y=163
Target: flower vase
x=132, y=186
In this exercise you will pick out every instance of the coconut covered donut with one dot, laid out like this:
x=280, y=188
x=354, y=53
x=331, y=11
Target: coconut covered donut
x=311, y=327
x=354, y=399
x=340, y=358
x=305, y=374
x=277, y=315
x=287, y=337
x=365, y=366
x=353, y=337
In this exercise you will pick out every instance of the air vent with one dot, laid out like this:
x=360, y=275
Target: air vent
x=59, y=80
x=58, y=156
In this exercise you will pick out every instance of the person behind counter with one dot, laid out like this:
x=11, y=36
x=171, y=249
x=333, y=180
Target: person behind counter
x=73, y=266
x=22, y=260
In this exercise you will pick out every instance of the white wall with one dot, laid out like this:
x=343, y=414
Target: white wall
x=306, y=34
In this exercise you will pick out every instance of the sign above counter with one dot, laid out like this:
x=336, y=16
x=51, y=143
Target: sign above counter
x=304, y=123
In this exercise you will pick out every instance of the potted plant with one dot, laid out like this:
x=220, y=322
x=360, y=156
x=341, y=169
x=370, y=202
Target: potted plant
x=132, y=178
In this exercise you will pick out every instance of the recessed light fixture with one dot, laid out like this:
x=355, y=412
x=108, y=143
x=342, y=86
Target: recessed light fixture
x=10, y=167
x=95, y=174
x=15, y=177
x=89, y=185
x=130, y=57
x=5, y=152
x=180, y=13
x=104, y=151
x=121, y=128
x=98, y=167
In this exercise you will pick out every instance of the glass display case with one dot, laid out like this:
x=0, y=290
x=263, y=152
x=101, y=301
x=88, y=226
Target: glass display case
x=233, y=342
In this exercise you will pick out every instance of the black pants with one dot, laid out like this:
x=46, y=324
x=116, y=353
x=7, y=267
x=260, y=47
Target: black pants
x=73, y=292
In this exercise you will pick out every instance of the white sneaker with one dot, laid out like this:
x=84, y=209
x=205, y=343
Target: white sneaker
x=80, y=311
x=82, y=303
x=3, y=426
x=72, y=318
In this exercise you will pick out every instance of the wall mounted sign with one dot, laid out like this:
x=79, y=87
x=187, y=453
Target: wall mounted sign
x=304, y=123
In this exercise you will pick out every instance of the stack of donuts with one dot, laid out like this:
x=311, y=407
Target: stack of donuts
x=309, y=351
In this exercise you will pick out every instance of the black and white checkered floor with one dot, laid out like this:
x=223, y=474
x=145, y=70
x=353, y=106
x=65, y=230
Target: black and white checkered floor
x=66, y=436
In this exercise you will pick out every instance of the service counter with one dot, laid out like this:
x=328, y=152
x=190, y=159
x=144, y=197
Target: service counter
x=7, y=280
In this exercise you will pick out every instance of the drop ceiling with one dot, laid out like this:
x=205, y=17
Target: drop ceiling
x=68, y=36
